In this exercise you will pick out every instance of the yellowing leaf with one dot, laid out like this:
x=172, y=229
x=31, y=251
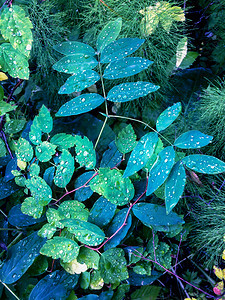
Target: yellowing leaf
x=21, y=164
x=74, y=267
x=3, y=76
x=223, y=255
x=219, y=272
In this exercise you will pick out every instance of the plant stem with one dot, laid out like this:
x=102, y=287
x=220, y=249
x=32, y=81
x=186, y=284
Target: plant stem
x=3, y=214
x=6, y=143
x=9, y=290
x=100, y=133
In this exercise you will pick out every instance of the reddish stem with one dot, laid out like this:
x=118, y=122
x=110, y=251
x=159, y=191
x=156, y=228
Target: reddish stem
x=13, y=89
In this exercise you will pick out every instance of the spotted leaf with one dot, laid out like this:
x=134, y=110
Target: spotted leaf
x=73, y=209
x=155, y=216
x=126, y=140
x=80, y=104
x=204, y=164
x=168, y=116
x=44, y=151
x=61, y=247
x=35, y=133
x=110, y=184
x=73, y=63
x=108, y=34
x=120, y=49
x=44, y=120
x=74, y=47
x=63, y=140
x=24, y=150
x=141, y=153
x=31, y=207
x=161, y=169
x=126, y=67
x=79, y=81
x=131, y=90
x=47, y=231
x=86, y=155
x=174, y=187
x=192, y=139
x=64, y=170
x=85, y=232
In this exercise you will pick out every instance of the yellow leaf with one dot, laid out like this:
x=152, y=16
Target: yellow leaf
x=218, y=272
x=3, y=76
x=21, y=164
x=223, y=255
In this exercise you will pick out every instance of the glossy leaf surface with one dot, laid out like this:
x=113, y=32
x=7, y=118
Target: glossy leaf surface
x=32, y=207
x=126, y=140
x=192, y=139
x=24, y=150
x=161, y=169
x=84, y=193
x=74, y=47
x=102, y=212
x=63, y=140
x=61, y=247
x=20, y=258
x=44, y=120
x=119, y=49
x=126, y=67
x=35, y=132
x=168, y=116
x=79, y=81
x=111, y=157
x=86, y=156
x=204, y=164
x=64, y=170
x=174, y=187
x=141, y=153
x=80, y=104
x=155, y=216
x=45, y=151
x=131, y=90
x=110, y=184
x=108, y=34
x=85, y=232
x=74, y=210
x=39, y=190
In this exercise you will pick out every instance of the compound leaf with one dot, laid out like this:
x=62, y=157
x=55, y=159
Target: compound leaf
x=168, y=116
x=24, y=150
x=131, y=90
x=102, y=212
x=174, y=187
x=85, y=232
x=141, y=153
x=86, y=155
x=126, y=140
x=44, y=151
x=84, y=193
x=155, y=216
x=61, y=247
x=204, y=164
x=119, y=49
x=79, y=81
x=44, y=120
x=192, y=139
x=63, y=140
x=110, y=184
x=73, y=47
x=113, y=266
x=108, y=34
x=74, y=63
x=64, y=170
x=20, y=258
x=80, y=104
x=161, y=169
x=126, y=67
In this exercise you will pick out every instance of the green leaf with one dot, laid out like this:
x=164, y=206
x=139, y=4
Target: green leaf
x=63, y=140
x=146, y=293
x=3, y=150
x=161, y=169
x=126, y=67
x=35, y=133
x=120, y=49
x=181, y=51
x=6, y=107
x=108, y=34
x=80, y=105
x=131, y=90
x=155, y=216
x=189, y=59
x=88, y=257
x=64, y=170
x=73, y=47
x=54, y=216
x=47, y=231
x=113, y=266
x=102, y=212
x=85, y=232
x=204, y=164
x=13, y=62
x=39, y=190
x=1, y=92
x=141, y=153
x=86, y=156
x=126, y=140
x=110, y=184
x=20, y=257
x=44, y=151
x=84, y=193
x=73, y=209
x=159, y=147
x=174, y=187
x=34, y=169
x=31, y=207
x=16, y=27
x=111, y=157
x=24, y=150
x=116, y=223
x=48, y=175
x=74, y=63
x=57, y=285
x=85, y=278
x=79, y=81
x=168, y=116
x=61, y=247
x=192, y=139
x=13, y=126
x=44, y=120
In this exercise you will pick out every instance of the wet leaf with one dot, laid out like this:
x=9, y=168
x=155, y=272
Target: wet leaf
x=64, y=170
x=6, y=107
x=111, y=157
x=63, y=140
x=168, y=116
x=47, y=231
x=192, y=139
x=73, y=209
x=74, y=47
x=24, y=150
x=126, y=140
x=89, y=257
x=35, y=132
x=86, y=156
x=85, y=192
x=44, y=120
x=14, y=126
x=39, y=189
x=31, y=207
x=45, y=151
